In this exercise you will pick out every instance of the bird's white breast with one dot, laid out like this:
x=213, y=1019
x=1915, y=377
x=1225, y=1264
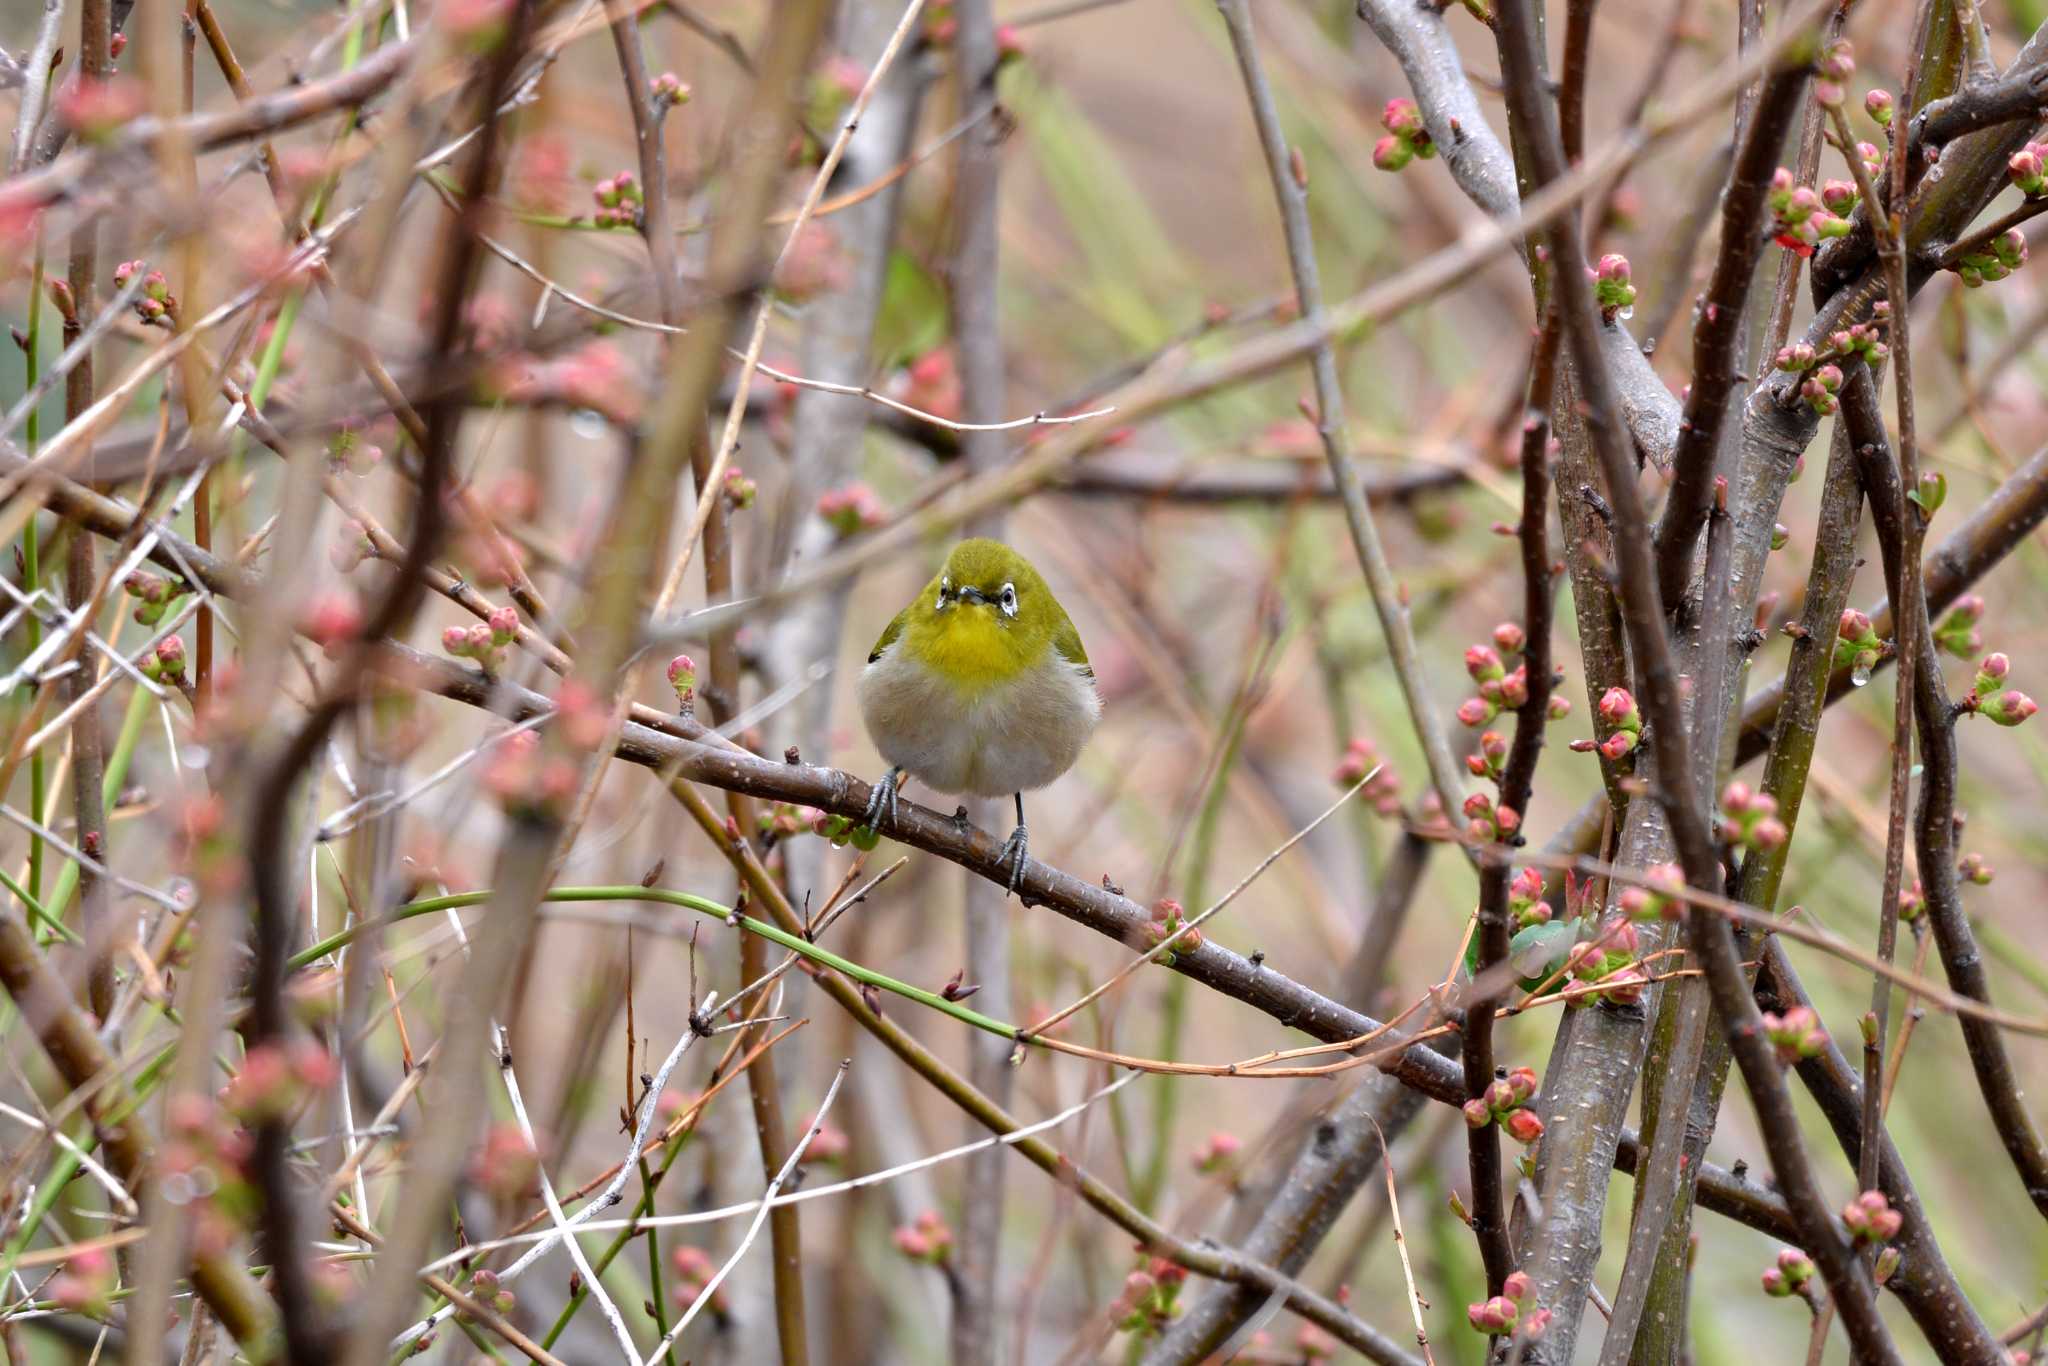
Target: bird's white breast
x=1009, y=737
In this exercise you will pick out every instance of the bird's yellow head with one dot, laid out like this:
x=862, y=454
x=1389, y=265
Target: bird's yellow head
x=986, y=618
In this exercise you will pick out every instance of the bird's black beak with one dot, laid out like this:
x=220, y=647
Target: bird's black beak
x=971, y=595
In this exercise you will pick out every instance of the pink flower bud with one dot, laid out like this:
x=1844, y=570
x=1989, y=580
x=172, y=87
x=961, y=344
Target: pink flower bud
x=1617, y=745
x=1517, y=1286
x=1482, y=663
x=1617, y=706
x=1509, y=638
x=1878, y=104
x=1523, y=1126
x=1473, y=711
x=1477, y=1113
x=1995, y=667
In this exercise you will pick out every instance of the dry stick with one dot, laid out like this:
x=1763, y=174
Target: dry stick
x=1935, y=829
x=1290, y=192
x=1401, y=1246
x=1847, y=1278
x=1717, y=342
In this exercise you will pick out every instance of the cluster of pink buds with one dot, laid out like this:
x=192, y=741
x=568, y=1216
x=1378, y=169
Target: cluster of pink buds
x=1801, y=220
x=154, y=594
x=1870, y=1218
x=1406, y=137
x=1525, y=899
x=1490, y=759
x=931, y=384
x=1862, y=339
x=505, y=1165
x=1506, y=1103
x=619, y=201
x=1501, y=689
x=87, y=1283
x=1661, y=897
x=1750, y=819
x=1975, y=869
x=1989, y=697
x=782, y=820
x=348, y=450
x=484, y=642
x=1150, y=1298
x=1790, y=1275
x=332, y=618
x=166, y=663
x=1912, y=901
x=814, y=263
x=851, y=509
x=1218, y=1156
x=827, y=1144
x=275, y=1079
x=1617, y=712
x=1612, y=289
x=155, y=304
x=1820, y=388
x=1485, y=821
x=96, y=109
x=1958, y=632
x=1502, y=1315
x=928, y=1240
x=489, y=1291
x=842, y=831
x=1796, y=1035
x=1837, y=65
x=1878, y=104
x=666, y=91
x=1383, y=791
x=1857, y=646
x=694, y=1272
x=2001, y=256
x=1167, y=919
x=739, y=489
x=1607, y=963
x=526, y=779
x=477, y=25
x=2029, y=169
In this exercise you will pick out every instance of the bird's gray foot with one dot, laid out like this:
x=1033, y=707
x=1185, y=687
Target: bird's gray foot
x=881, y=811
x=1014, y=852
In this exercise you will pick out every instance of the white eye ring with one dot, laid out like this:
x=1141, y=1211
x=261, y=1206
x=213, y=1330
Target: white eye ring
x=945, y=592
x=1009, y=599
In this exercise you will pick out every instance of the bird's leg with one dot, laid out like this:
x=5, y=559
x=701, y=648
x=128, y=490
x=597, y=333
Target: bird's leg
x=1015, y=848
x=882, y=801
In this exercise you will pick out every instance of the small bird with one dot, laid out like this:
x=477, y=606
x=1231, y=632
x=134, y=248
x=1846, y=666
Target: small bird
x=979, y=686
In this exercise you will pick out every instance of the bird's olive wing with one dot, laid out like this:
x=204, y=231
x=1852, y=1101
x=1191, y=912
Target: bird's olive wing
x=895, y=629
x=1067, y=641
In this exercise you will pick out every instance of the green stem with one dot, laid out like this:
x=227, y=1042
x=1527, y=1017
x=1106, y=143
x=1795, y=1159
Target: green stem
x=115, y=776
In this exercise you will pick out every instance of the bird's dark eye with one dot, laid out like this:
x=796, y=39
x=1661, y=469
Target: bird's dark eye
x=945, y=591
x=1009, y=599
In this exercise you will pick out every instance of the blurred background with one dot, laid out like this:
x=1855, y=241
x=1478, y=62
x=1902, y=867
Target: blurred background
x=1221, y=604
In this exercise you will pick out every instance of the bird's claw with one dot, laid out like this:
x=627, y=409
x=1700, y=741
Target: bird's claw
x=1014, y=852
x=882, y=801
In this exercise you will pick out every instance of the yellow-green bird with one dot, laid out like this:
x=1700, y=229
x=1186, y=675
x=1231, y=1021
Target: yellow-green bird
x=979, y=686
